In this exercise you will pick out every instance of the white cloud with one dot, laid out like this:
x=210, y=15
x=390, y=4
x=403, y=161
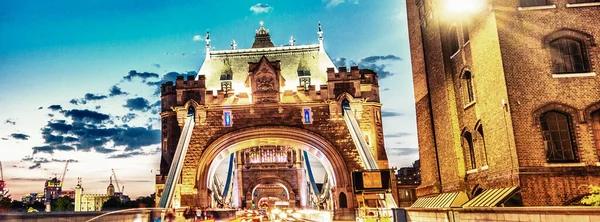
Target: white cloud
x=198, y=38
x=261, y=8
x=333, y=3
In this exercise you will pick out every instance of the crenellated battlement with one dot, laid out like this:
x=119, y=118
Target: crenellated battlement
x=183, y=82
x=362, y=83
x=184, y=89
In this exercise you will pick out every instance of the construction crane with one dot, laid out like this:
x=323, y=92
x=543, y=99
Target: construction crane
x=117, y=181
x=62, y=178
x=3, y=191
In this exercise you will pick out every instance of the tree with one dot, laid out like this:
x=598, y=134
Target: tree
x=63, y=203
x=593, y=198
x=145, y=201
x=17, y=205
x=5, y=203
x=112, y=204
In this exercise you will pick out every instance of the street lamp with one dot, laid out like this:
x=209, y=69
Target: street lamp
x=464, y=6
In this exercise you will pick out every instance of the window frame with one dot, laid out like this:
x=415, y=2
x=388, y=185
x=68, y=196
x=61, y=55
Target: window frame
x=556, y=54
x=467, y=88
x=528, y=3
x=547, y=136
x=470, y=149
x=453, y=41
x=466, y=35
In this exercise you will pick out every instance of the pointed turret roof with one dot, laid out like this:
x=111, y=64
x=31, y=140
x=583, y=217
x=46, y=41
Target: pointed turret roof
x=262, y=39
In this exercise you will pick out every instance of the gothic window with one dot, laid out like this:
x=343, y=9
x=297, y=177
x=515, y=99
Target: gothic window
x=343, y=200
x=582, y=1
x=596, y=128
x=556, y=129
x=568, y=56
x=226, y=76
x=304, y=78
x=468, y=146
x=465, y=31
x=481, y=143
x=226, y=82
x=453, y=40
x=467, y=88
x=529, y=3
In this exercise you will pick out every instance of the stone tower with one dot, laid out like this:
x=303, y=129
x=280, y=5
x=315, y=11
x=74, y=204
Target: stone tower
x=266, y=96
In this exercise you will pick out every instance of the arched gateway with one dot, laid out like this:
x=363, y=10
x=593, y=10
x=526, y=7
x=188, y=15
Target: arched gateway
x=267, y=105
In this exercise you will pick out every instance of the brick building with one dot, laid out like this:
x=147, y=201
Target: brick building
x=507, y=97
x=407, y=181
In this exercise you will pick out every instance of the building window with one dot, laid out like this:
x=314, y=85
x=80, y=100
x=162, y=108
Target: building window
x=468, y=145
x=304, y=78
x=481, y=143
x=467, y=88
x=453, y=40
x=343, y=200
x=556, y=128
x=226, y=79
x=227, y=118
x=596, y=128
x=568, y=56
x=582, y=1
x=465, y=32
x=529, y=3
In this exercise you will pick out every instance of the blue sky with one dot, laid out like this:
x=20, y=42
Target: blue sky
x=78, y=55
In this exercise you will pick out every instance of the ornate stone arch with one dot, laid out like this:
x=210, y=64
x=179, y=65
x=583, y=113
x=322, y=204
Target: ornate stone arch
x=556, y=106
x=304, y=139
x=253, y=185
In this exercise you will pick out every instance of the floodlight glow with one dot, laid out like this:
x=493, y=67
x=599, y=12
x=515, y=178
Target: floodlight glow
x=461, y=6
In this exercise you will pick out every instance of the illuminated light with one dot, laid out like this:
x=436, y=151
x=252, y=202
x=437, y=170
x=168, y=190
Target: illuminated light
x=227, y=118
x=307, y=115
x=461, y=6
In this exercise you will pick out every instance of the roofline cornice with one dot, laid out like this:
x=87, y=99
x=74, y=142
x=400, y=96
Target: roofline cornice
x=263, y=51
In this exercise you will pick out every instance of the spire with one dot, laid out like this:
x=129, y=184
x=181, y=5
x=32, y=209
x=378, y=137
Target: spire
x=110, y=181
x=207, y=45
x=292, y=41
x=233, y=44
x=320, y=32
x=262, y=39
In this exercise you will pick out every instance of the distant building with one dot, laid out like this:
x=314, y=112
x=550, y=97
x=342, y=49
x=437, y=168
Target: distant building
x=33, y=197
x=407, y=181
x=92, y=202
x=507, y=100
x=68, y=193
x=409, y=175
x=52, y=189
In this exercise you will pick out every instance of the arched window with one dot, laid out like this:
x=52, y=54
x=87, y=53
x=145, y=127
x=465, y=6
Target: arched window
x=481, y=143
x=556, y=129
x=465, y=31
x=529, y=3
x=467, y=88
x=468, y=146
x=568, y=56
x=596, y=128
x=453, y=40
x=343, y=200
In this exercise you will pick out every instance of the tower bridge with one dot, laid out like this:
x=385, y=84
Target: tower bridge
x=270, y=107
